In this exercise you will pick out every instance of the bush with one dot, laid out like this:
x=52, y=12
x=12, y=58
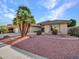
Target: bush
x=74, y=31
x=54, y=31
x=4, y=29
x=77, y=32
x=71, y=32
x=38, y=32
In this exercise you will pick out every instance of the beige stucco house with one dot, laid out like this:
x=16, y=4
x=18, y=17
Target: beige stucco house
x=15, y=29
x=60, y=25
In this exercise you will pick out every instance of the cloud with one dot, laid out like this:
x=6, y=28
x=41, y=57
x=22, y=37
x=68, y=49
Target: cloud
x=6, y=13
x=12, y=10
x=13, y=2
x=4, y=1
x=9, y=15
x=3, y=6
x=49, y=4
x=60, y=11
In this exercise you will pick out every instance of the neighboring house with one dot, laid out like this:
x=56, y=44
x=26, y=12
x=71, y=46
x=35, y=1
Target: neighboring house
x=10, y=28
x=32, y=29
x=60, y=25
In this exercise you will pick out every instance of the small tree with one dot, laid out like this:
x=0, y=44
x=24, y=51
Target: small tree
x=4, y=29
x=54, y=31
x=72, y=23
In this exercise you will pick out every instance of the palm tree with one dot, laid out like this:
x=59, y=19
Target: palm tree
x=23, y=20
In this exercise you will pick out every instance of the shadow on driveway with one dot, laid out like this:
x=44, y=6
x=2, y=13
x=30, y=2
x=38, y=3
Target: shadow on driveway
x=2, y=45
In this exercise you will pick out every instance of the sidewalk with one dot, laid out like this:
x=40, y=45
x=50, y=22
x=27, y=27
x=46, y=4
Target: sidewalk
x=10, y=52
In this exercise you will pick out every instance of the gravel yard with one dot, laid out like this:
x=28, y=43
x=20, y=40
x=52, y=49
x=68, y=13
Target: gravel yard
x=52, y=46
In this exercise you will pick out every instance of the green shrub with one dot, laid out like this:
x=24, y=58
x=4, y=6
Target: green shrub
x=4, y=29
x=54, y=31
x=74, y=31
x=71, y=32
x=77, y=32
x=38, y=32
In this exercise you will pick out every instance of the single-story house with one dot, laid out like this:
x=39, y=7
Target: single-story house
x=15, y=29
x=60, y=25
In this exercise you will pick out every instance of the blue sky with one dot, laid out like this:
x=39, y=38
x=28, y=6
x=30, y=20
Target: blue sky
x=41, y=9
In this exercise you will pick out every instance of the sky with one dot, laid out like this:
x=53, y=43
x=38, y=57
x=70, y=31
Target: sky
x=42, y=10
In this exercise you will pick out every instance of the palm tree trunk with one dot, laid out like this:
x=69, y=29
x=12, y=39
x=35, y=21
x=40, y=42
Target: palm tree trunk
x=23, y=29
x=20, y=27
x=27, y=29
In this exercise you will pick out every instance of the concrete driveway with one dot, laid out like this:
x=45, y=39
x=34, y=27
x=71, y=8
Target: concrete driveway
x=9, y=34
x=10, y=52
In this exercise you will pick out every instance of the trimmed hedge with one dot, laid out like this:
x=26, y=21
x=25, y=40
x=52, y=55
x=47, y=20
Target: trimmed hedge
x=74, y=31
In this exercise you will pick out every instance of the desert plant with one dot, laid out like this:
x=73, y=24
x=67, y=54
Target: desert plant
x=54, y=31
x=74, y=31
x=77, y=32
x=4, y=29
x=39, y=32
x=71, y=32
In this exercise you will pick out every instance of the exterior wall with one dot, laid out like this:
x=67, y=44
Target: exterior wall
x=16, y=30
x=57, y=26
x=31, y=30
x=63, y=28
x=47, y=28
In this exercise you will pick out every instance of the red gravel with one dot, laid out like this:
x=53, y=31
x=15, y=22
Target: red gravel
x=52, y=47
